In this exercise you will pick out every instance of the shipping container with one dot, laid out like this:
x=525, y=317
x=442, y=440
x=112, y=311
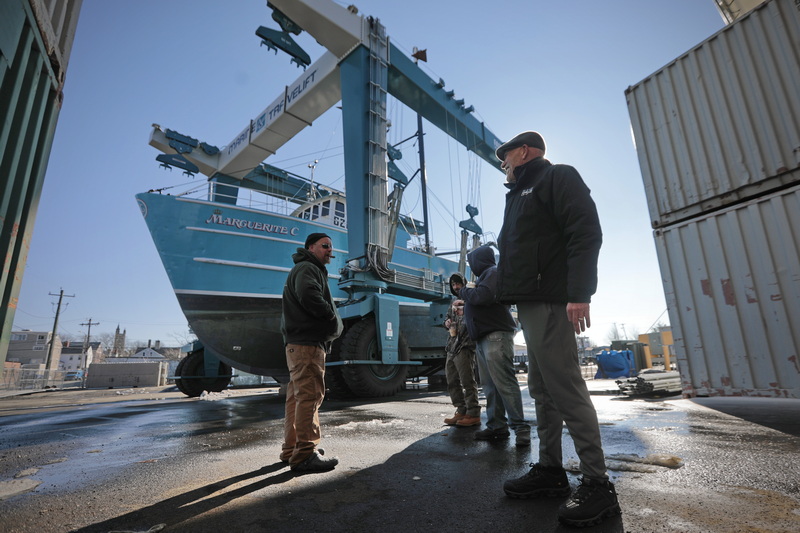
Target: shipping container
x=35, y=42
x=721, y=124
x=732, y=284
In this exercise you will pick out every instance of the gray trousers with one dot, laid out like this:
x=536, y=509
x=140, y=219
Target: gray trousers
x=459, y=369
x=558, y=389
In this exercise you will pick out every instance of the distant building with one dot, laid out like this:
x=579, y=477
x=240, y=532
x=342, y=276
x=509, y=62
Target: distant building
x=151, y=352
x=32, y=347
x=147, y=353
x=76, y=356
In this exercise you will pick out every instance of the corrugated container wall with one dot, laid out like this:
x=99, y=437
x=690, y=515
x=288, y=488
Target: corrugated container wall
x=717, y=132
x=732, y=283
x=721, y=123
x=35, y=42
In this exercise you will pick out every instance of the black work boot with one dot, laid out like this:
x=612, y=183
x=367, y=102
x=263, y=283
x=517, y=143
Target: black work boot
x=316, y=463
x=541, y=481
x=492, y=434
x=591, y=502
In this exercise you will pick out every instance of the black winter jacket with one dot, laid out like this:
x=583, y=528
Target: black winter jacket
x=309, y=314
x=482, y=313
x=551, y=237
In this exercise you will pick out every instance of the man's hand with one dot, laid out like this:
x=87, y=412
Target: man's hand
x=578, y=314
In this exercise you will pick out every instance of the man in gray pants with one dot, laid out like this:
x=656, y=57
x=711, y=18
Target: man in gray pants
x=549, y=245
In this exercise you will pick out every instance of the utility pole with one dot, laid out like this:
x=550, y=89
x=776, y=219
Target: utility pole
x=85, y=355
x=88, y=333
x=55, y=327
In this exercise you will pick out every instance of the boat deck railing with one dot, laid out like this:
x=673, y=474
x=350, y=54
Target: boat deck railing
x=272, y=202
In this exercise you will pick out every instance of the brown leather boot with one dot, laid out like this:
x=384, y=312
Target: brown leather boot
x=468, y=421
x=455, y=418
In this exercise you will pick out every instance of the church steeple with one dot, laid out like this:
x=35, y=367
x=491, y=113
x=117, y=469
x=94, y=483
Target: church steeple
x=119, y=342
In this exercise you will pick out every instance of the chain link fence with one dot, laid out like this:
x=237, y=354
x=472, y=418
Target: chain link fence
x=34, y=378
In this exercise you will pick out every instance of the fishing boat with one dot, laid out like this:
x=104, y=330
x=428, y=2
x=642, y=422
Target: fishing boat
x=226, y=243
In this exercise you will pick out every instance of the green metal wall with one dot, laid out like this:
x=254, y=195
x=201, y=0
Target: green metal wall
x=35, y=41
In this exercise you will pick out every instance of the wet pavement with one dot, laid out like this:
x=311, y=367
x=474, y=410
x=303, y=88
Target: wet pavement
x=151, y=459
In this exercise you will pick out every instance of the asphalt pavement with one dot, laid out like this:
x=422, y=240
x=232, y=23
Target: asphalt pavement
x=139, y=460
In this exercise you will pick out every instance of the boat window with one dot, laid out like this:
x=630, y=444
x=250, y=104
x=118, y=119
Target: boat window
x=338, y=215
x=326, y=208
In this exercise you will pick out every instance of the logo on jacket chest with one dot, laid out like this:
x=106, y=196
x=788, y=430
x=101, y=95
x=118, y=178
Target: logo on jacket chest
x=527, y=191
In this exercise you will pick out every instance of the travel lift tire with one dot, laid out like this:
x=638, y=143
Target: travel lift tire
x=335, y=386
x=178, y=381
x=360, y=342
x=190, y=376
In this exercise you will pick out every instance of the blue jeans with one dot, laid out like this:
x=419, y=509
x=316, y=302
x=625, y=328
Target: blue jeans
x=499, y=380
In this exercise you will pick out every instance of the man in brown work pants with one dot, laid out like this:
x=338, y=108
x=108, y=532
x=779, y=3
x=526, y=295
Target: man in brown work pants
x=309, y=324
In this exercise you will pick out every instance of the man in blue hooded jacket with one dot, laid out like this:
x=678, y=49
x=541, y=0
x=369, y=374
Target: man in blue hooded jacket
x=492, y=327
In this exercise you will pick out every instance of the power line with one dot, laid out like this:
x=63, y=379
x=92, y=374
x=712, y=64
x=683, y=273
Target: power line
x=657, y=319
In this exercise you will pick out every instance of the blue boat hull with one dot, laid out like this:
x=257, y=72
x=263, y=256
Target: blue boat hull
x=228, y=264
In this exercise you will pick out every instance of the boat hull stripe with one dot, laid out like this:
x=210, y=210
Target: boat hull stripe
x=247, y=265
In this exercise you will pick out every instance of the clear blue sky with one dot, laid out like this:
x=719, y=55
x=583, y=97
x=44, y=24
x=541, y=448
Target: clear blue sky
x=560, y=68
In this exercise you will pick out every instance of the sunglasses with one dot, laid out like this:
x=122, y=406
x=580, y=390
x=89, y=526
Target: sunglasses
x=326, y=246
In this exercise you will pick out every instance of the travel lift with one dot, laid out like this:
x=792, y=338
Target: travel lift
x=360, y=68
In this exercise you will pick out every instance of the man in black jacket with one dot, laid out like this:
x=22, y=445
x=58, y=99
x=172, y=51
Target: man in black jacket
x=549, y=245
x=492, y=327
x=309, y=324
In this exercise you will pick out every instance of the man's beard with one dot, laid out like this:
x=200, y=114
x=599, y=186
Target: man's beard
x=510, y=177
